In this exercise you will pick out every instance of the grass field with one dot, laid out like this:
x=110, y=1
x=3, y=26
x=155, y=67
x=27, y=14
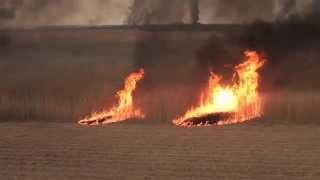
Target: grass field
x=63, y=74
x=155, y=151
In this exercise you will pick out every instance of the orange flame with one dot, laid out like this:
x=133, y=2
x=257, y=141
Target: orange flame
x=241, y=98
x=124, y=109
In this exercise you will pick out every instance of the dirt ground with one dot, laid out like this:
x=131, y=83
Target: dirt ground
x=158, y=151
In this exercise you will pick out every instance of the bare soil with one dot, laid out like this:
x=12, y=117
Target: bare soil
x=158, y=151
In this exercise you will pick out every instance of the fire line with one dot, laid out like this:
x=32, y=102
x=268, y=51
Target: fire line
x=125, y=108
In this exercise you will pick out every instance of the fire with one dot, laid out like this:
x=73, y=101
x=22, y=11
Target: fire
x=124, y=109
x=237, y=102
x=225, y=100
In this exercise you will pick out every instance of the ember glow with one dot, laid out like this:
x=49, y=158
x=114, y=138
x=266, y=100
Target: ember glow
x=234, y=103
x=124, y=110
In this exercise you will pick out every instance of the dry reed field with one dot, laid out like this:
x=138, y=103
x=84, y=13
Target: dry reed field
x=63, y=74
x=50, y=78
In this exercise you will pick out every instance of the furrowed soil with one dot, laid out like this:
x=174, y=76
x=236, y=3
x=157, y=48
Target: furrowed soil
x=158, y=151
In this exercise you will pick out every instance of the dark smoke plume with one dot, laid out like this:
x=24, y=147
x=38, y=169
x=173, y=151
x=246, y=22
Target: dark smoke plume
x=290, y=44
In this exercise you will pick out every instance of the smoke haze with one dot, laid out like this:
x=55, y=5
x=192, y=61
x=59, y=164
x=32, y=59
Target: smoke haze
x=30, y=13
x=161, y=12
x=72, y=12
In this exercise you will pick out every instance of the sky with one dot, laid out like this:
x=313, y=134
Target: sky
x=33, y=13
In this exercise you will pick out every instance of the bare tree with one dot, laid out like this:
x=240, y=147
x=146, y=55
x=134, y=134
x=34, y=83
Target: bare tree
x=288, y=9
x=163, y=12
x=139, y=14
x=195, y=11
x=7, y=9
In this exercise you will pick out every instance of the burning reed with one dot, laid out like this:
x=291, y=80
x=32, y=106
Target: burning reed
x=229, y=104
x=124, y=110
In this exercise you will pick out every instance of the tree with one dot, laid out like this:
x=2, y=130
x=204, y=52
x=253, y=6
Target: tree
x=163, y=12
x=195, y=11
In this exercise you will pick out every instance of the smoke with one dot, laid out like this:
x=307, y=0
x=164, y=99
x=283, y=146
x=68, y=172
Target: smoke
x=288, y=9
x=162, y=12
x=217, y=11
x=289, y=43
x=248, y=11
x=235, y=11
x=29, y=13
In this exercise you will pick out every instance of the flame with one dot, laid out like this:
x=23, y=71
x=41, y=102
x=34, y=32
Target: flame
x=124, y=109
x=240, y=98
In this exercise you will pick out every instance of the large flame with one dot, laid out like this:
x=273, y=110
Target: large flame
x=240, y=98
x=124, y=109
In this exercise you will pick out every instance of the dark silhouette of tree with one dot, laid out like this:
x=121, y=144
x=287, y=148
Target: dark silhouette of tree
x=144, y=12
x=288, y=9
x=138, y=14
x=195, y=11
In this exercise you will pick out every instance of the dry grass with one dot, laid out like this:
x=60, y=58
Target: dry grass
x=58, y=76
x=293, y=107
x=64, y=92
x=67, y=102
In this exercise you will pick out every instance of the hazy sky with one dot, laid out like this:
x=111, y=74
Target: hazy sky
x=29, y=13
x=69, y=12
x=237, y=11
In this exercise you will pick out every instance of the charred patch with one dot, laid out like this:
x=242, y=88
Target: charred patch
x=210, y=119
